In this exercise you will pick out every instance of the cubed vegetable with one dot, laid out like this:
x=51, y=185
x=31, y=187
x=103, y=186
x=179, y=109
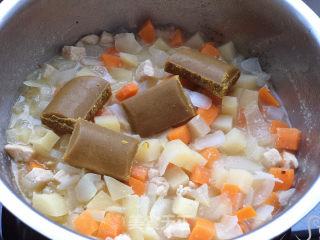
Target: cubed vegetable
x=101, y=201
x=196, y=41
x=246, y=81
x=230, y=106
x=228, y=51
x=129, y=59
x=219, y=176
x=86, y=72
x=121, y=74
x=161, y=45
x=185, y=208
x=46, y=142
x=202, y=229
x=148, y=151
x=242, y=178
x=247, y=97
x=235, y=143
x=223, y=122
x=175, y=177
x=126, y=42
x=51, y=204
x=198, y=127
x=111, y=226
x=85, y=189
x=110, y=122
x=150, y=234
x=117, y=189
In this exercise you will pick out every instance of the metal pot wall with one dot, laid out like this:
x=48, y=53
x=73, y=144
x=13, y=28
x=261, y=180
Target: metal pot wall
x=284, y=34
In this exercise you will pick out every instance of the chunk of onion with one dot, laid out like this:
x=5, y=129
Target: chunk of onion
x=214, y=139
x=239, y=162
x=198, y=99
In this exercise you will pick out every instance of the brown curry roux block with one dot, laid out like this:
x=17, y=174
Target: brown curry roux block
x=81, y=97
x=101, y=150
x=212, y=74
x=158, y=108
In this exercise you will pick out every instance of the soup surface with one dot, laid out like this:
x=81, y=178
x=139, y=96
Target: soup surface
x=149, y=136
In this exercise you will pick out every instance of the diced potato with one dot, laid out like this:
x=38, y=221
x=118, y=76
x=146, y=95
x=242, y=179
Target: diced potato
x=161, y=207
x=110, y=122
x=247, y=97
x=223, y=122
x=85, y=72
x=253, y=151
x=150, y=234
x=175, y=177
x=242, y=178
x=101, y=201
x=219, y=176
x=136, y=206
x=126, y=42
x=228, y=51
x=230, y=106
x=135, y=234
x=149, y=150
x=198, y=127
x=117, y=189
x=237, y=92
x=121, y=74
x=129, y=59
x=51, y=204
x=185, y=208
x=196, y=41
x=85, y=189
x=235, y=143
x=246, y=81
x=24, y=134
x=181, y=155
x=46, y=142
x=161, y=45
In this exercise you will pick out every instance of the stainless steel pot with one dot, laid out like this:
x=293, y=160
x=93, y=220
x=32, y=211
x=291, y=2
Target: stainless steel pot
x=285, y=34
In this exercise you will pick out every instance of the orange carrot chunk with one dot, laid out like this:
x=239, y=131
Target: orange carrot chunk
x=266, y=98
x=182, y=133
x=202, y=229
x=139, y=172
x=111, y=226
x=277, y=124
x=111, y=61
x=113, y=51
x=209, y=115
x=177, y=38
x=210, y=50
x=273, y=200
x=245, y=213
x=285, y=175
x=288, y=138
x=211, y=154
x=241, y=120
x=138, y=186
x=200, y=175
x=147, y=32
x=34, y=164
x=127, y=91
x=85, y=224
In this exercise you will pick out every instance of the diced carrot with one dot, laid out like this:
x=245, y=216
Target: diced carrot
x=138, y=186
x=215, y=99
x=139, y=172
x=245, y=213
x=210, y=50
x=127, y=91
x=277, y=124
x=285, y=175
x=202, y=229
x=211, y=154
x=113, y=51
x=56, y=91
x=177, y=38
x=85, y=224
x=266, y=98
x=182, y=133
x=111, y=226
x=167, y=78
x=200, y=175
x=288, y=138
x=241, y=120
x=147, y=32
x=34, y=164
x=273, y=200
x=111, y=60
x=209, y=115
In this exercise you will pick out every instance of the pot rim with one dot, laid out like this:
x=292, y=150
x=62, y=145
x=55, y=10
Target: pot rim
x=284, y=221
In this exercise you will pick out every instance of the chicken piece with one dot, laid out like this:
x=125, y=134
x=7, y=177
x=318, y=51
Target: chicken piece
x=182, y=191
x=285, y=196
x=73, y=53
x=106, y=38
x=272, y=157
x=37, y=178
x=289, y=160
x=145, y=71
x=158, y=186
x=19, y=153
x=178, y=229
x=90, y=39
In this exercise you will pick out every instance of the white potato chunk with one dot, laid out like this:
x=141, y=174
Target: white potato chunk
x=73, y=53
x=181, y=155
x=149, y=150
x=253, y=151
x=121, y=74
x=150, y=234
x=242, y=178
x=228, y=51
x=85, y=189
x=196, y=41
x=198, y=127
x=129, y=59
x=117, y=189
x=101, y=201
x=106, y=38
x=86, y=72
x=110, y=122
x=237, y=92
x=52, y=204
x=246, y=81
x=46, y=142
x=219, y=176
x=161, y=207
x=161, y=45
x=136, y=211
x=235, y=143
x=145, y=71
x=177, y=229
x=19, y=153
x=247, y=97
x=185, y=208
x=176, y=176
x=223, y=122
x=230, y=106
x=126, y=42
